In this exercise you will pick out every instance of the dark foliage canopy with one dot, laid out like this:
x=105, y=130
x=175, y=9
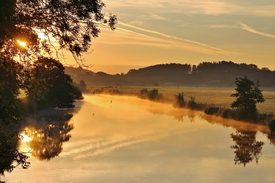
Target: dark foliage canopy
x=49, y=86
x=10, y=83
x=72, y=23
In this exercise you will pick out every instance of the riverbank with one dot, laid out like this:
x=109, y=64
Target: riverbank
x=220, y=95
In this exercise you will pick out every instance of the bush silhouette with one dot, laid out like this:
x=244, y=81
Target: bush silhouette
x=180, y=102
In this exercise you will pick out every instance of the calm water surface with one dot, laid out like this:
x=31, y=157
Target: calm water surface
x=126, y=139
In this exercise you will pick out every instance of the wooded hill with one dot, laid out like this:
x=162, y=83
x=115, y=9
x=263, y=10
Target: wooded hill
x=221, y=73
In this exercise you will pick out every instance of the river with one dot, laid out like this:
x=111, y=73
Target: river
x=126, y=139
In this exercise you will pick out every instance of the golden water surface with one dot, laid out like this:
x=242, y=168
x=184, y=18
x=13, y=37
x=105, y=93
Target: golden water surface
x=126, y=139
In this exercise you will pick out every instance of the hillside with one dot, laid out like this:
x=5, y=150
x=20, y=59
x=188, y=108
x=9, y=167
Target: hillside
x=221, y=73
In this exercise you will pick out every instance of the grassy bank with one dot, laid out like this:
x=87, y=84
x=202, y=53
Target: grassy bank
x=213, y=101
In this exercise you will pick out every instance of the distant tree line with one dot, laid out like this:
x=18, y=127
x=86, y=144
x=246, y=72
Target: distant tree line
x=221, y=73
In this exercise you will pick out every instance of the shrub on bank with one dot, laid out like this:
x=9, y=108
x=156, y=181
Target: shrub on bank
x=144, y=93
x=229, y=114
x=153, y=95
x=265, y=118
x=192, y=104
x=260, y=118
x=180, y=102
x=212, y=110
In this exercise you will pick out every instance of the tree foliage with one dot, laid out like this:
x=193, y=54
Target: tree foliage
x=72, y=23
x=247, y=96
x=10, y=84
x=49, y=86
x=46, y=85
x=9, y=78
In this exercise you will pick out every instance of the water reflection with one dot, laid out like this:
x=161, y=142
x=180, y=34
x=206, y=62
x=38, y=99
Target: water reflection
x=123, y=142
x=246, y=147
x=48, y=130
x=10, y=156
x=45, y=132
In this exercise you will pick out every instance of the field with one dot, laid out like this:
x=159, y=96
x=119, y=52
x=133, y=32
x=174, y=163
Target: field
x=207, y=95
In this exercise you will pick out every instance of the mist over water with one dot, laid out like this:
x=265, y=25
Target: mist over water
x=126, y=139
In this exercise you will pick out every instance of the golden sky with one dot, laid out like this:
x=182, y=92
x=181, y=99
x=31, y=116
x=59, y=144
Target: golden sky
x=185, y=31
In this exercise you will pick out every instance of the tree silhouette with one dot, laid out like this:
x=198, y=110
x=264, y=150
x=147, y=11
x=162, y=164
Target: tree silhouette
x=49, y=86
x=11, y=113
x=82, y=86
x=247, y=96
x=10, y=83
x=71, y=23
x=179, y=100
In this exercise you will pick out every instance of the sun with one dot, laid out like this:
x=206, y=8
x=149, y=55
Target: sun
x=25, y=138
x=22, y=43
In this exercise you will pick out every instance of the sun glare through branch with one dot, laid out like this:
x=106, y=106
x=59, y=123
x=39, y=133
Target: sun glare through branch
x=22, y=43
x=25, y=138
